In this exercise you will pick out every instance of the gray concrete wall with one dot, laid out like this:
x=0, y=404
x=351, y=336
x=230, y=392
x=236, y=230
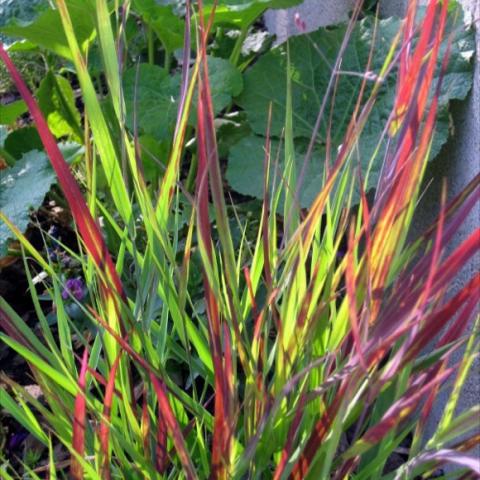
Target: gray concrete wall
x=315, y=14
x=458, y=162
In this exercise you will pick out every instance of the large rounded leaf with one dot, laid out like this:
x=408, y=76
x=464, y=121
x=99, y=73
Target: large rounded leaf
x=25, y=185
x=168, y=26
x=47, y=30
x=57, y=102
x=312, y=58
x=10, y=112
x=151, y=98
x=151, y=95
x=245, y=173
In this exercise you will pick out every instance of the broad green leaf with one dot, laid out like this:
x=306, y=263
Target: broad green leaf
x=21, y=9
x=242, y=13
x=47, y=32
x=246, y=167
x=154, y=99
x=312, y=58
x=154, y=155
x=168, y=27
x=57, y=102
x=5, y=157
x=230, y=130
x=23, y=46
x=25, y=10
x=225, y=82
x=9, y=113
x=25, y=185
x=23, y=140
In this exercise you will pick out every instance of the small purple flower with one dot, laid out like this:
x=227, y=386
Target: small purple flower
x=17, y=440
x=75, y=287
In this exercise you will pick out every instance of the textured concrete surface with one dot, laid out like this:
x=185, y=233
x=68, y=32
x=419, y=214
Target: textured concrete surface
x=458, y=162
x=315, y=13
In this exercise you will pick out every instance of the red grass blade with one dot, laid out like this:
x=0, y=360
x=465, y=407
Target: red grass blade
x=79, y=422
x=301, y=467
x=347, y=468
x=104, y=432
x=287, y=449
x=161, y=449
x=350, y=281
x=145, y=425
x=165, y=410
x=400, y=409
x=208, y=169
x=11, y=330
x=404, y=165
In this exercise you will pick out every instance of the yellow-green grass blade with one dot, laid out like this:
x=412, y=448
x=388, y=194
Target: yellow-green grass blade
x=101, y=133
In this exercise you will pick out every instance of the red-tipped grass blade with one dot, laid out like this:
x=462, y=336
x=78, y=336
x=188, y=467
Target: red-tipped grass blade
x=104, y=432
x=161, y=448
x=168, y=417
x=208, y=169
x=79, y=422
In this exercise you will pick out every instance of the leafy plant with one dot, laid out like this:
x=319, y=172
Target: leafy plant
x=10, y=112
x=25, y=184
x=46, y=29
x=152, y=95
x=57, y=102
x=312, y=63
x=297, y=352
x=23, y=10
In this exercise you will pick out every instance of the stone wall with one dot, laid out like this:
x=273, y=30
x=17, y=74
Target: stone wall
x=458, y=162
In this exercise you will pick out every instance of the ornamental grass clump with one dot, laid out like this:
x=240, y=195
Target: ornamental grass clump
x=301, y=351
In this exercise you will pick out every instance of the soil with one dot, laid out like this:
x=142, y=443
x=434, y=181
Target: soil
x=15, y=441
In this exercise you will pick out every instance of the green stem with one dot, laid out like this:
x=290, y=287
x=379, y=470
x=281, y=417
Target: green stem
x=237, y=49
x=191, y=173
